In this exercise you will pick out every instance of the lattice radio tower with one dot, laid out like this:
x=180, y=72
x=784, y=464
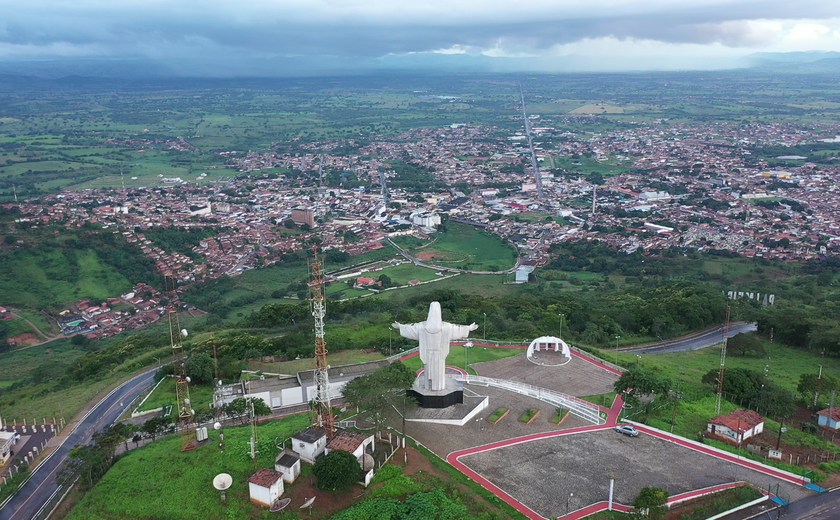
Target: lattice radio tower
x=722, y=362
x=321, y=404
x=182, y=382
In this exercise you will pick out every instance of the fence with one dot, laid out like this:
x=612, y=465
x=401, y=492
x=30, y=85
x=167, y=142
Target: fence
x=583, y=409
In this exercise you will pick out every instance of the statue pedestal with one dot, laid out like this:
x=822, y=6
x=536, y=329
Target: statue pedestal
x=452, y=394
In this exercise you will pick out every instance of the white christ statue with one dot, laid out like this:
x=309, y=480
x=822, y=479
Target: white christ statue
x=434, y=336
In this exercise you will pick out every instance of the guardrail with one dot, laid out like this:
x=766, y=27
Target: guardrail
x=583, y=409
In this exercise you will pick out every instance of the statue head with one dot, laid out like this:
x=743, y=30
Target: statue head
x=434, y=322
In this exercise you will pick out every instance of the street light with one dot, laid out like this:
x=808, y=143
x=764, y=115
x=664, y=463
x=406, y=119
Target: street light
x=617, y=337
x=467, y=346
x=638, y=361
x=484, y=333
x=158, y=360
x=562, y=316
x=567, y=504
x=389, y=341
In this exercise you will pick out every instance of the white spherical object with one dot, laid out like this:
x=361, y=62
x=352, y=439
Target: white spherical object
x=217, y=426
x=186, y=401
x=188, y=379
x=184, y=333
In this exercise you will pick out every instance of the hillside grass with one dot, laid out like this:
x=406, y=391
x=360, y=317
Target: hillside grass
x=159, y=481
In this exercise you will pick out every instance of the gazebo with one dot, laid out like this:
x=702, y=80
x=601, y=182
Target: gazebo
x=549, y=343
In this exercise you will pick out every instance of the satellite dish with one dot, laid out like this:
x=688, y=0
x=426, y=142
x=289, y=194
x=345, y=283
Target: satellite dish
x=188, y=379
x=367, y=462
x=187, y=400
x=280, y=504
x=217, y=426
x=308, y=503
x=184, y=333
x=222, y=481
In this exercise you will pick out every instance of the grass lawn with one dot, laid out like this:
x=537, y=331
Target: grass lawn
x=19, y=364
x=467, y=247
x=164, y=395
x=786, y=364
x=181, y=487
x=457, y=356
x=342, y=357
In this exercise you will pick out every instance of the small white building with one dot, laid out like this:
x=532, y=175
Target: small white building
x=265, y=486
x=288, y=463
x=7, y=441
x=736, y=427
x=309, y=444
x=352, y=442
x=829, y=417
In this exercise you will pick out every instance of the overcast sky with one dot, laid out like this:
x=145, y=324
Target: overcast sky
x=543, y=29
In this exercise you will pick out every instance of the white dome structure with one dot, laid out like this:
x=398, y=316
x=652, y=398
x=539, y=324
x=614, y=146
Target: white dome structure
x=549, y=343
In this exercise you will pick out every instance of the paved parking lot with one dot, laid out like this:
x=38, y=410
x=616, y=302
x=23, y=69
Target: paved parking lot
x=542, y=473
x=578, y=377
x=444, y=439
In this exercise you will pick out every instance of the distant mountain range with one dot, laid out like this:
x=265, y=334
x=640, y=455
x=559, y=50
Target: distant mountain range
x=787, y=62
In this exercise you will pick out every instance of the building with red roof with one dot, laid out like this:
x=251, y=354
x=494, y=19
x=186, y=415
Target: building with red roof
x=736, y=426
x=829, y=417
x=265, y=486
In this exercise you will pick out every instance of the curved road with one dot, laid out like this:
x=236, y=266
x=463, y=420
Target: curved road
x=42, y=484
x=703, y=339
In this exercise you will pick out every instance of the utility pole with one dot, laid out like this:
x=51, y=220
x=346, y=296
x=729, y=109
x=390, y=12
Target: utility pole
x=722, y=361
x=323, y=408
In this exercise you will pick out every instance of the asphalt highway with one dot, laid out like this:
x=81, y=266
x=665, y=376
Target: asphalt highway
x=825, y=506
x=37, y=491
x=700, y=340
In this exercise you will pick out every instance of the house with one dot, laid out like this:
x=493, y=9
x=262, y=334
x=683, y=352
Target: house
x=737, y=426
x=7, y=441
x=365, y=280
x=829, y=417
x=352, y=442
x=288, y=463
x=309, y=444
x=265, y=486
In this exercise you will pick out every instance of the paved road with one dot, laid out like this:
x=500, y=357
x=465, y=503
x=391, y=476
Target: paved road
x=700, y=340
x=42, y=484
x=825, y=506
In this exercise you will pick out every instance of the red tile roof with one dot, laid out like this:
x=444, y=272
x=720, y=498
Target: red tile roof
x=835, y=413
x=265, y=477
x=347, y=441
x=739, y=420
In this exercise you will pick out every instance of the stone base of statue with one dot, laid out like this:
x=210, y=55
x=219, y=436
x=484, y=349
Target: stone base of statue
x=450, y=395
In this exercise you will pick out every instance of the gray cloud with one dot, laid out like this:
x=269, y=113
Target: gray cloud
x=261, y=28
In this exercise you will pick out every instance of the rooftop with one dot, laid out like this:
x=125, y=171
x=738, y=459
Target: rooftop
x=833, y=412
x=309, y=435
x=739, y=420
x=347, y=441
x=265, y=477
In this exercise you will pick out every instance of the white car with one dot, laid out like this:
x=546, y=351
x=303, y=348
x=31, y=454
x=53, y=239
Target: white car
x=626, y=429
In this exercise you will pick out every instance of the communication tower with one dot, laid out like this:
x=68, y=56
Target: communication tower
x=182, y=382
x=321, y=404
x=722, y=361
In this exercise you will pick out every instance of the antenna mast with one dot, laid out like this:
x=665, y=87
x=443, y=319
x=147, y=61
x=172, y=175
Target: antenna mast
x=323, y=409
x=182, y=382
x=722, y=361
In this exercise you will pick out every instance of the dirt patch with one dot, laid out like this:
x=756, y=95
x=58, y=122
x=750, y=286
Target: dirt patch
x=426, y=255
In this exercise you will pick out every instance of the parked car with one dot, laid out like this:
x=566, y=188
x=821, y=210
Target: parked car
x=626, y=429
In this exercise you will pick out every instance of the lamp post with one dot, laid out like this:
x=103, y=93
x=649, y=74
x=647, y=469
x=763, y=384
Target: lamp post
x=158, y=361
x=638, y=361
x=389, y=341
x=567, y=504
x=484, y=332
x=562, y=316
x=617, y=337
x=467, y=346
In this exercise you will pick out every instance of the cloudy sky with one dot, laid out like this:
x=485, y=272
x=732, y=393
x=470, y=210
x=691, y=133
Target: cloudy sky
x=542, y=30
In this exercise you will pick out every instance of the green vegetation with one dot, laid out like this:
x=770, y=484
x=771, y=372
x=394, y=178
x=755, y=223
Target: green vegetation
x=12, y=484
x=336, y=471
x=127, y=492
x=467, y=247
x=716, y=503
x=495, y=416
x=529, y=414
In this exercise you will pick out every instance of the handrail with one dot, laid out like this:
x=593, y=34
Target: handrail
x=583, y=409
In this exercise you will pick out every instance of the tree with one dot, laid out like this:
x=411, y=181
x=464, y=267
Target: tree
x=200, y=368
x=651, y=502
x=336, y=471
x=745, y=344
x=156, y=426
x=378, y=392
x=240, y=408
x=639, y=382
x=810, y=390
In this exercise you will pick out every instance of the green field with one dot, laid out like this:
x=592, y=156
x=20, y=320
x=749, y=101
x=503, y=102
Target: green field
x=458, y=356
x=181, y=487
x=466, y=247
x=164, y=395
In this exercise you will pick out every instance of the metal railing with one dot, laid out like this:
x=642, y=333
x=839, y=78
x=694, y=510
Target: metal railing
x=583, y=409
